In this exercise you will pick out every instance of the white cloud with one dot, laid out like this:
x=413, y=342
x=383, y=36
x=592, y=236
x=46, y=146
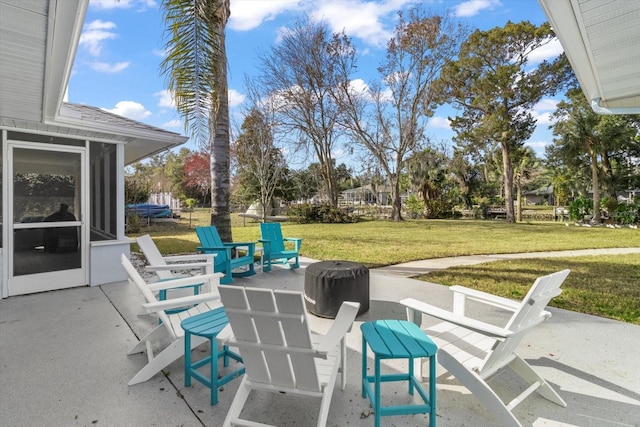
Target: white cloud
x=543, y=110
x=165, y=98
x=130, y=109
x=363, y=19
x=439, y=122
x=235, y=98
x=547, y=52
x=249, y=14
x=473, y=7
x=358, y=86
x=161, y=53
x=360, y=18
x=94, y=35
x=172, y=124
x=104, y=67
x=537, y=146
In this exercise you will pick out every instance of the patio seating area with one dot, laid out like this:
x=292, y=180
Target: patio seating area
x=63, y=362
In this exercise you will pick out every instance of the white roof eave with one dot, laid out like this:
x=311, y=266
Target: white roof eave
x=567, y=21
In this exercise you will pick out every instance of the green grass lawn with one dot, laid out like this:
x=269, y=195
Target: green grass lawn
x=607, y=286
x=604, y=285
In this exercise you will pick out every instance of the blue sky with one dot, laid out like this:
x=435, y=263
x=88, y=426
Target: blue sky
x=117, y=62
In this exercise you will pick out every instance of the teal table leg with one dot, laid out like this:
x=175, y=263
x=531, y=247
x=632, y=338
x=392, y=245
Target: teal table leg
x=187, y=359
x=214, y=372
x=377, y=393
x=432, y=390
x=364, y=365
x=225, y=354
x=410, y=375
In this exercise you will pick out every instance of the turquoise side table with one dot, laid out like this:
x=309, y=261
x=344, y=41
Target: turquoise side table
x=398, y=339
x=208, y=325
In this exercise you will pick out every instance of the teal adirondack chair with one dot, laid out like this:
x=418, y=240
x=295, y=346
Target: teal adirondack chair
x=224, y=261
x=274, y=248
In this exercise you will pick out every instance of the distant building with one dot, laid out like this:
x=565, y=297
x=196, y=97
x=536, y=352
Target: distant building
x=540, y=196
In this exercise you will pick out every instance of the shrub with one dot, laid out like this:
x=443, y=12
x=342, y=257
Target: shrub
x=579, y=208
x=414, y=207
x=627, y=214
x=439, y=209
x=324, y=213
x=134, y=223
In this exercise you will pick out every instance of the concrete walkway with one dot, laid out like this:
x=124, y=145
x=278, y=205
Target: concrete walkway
x=63, y=363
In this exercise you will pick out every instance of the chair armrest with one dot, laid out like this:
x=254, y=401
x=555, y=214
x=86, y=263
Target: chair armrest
x=266, y=245
x=466, y=322
x=234, y=244
x=185, y=281
x=296, y=240
x=182, y=302
x=484, y=297
x=339, y=328
x=184, y=266
x=226, y=250
x=196, y=257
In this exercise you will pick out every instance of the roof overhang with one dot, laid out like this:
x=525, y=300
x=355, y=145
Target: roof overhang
x=602, y=42
x=38, y=43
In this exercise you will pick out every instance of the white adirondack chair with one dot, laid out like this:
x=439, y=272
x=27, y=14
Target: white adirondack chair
x=280, y=354
x=165, y=266
x=169, y=325
x=472, y=350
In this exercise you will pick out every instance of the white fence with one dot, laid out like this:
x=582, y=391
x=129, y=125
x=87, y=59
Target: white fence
x=165, y=199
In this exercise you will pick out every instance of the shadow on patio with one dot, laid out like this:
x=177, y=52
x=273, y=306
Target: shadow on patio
x=63, y=363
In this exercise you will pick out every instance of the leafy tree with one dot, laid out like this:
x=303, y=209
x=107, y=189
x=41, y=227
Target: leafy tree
x=196, y=70
x=466, y=175
x=428, y=173
x=494, y=85
x=197, y=175
x=588, y=141
x=304, y=184
x=300, y=72
x=388, y=119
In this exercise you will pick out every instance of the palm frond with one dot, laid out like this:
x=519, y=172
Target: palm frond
x=192, y=67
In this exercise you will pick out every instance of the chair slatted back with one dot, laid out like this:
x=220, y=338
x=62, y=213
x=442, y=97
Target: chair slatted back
x=272, y=333
x=530, y=313
x=209, y=238
x=153, y=255
x=272, y=231
x=136, y=279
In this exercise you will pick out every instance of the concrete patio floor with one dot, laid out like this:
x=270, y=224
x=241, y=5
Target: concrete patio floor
x=63, y=363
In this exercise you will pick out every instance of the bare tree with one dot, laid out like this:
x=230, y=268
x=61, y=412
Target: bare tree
x=388, y=119
x=300, y=73
x=260, y=162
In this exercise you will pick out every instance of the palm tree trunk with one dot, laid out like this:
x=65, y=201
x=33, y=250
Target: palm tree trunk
x=219, y=141
x=596, y=186
x=508, y=182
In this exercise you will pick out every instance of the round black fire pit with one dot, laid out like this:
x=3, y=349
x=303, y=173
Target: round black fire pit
x=327, y=284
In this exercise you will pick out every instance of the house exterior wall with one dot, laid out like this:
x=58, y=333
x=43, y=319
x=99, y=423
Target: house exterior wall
x=103, y=193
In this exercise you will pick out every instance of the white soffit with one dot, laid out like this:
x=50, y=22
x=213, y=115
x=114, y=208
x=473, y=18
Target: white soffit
x=601, y=39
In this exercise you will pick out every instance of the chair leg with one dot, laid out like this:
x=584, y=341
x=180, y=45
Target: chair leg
x=155, y=335
x=480, y=389
x=238, y=403
x=266, y=266
x=170, y=354
x=327, y=393
x=296, y=264
x=227, y=278
x=525, y=370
